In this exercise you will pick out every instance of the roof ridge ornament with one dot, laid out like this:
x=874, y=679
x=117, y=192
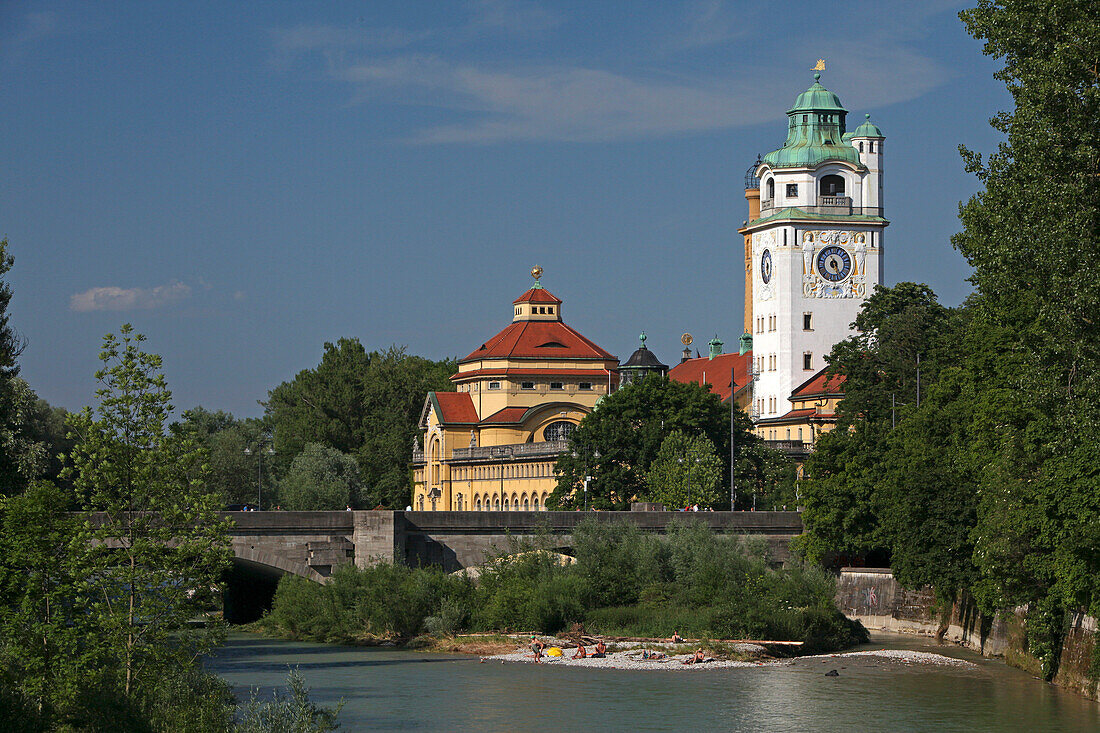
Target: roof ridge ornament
x=536, y=272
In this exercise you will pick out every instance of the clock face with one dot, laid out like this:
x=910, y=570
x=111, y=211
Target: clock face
x=834, y=263
x=766, y=266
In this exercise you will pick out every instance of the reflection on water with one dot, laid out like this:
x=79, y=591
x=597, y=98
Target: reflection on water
x=387, y=689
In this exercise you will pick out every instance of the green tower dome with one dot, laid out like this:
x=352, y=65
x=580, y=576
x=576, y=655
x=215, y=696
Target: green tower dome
x=815, y=132
x=867, y=129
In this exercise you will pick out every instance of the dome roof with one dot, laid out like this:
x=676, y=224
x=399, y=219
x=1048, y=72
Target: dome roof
x=815, y=132
x=817, y=99
x=643, y=358
x=867, y=129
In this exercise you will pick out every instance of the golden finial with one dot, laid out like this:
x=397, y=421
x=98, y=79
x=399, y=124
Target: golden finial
x=536, y=272
x=686, y=339
x=820, y=66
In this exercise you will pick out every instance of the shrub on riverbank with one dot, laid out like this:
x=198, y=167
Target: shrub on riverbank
x=624, y=583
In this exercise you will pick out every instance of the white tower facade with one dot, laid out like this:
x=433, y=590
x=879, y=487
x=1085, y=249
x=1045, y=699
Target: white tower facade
x=817, y=245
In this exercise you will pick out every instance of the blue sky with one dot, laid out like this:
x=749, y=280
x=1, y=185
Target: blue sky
x=246, y=181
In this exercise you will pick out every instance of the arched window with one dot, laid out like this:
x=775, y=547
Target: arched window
x=832, y=185
x=560, y=430
x=536, y=504
x=458, y=501
x=420, y=503
x=771, y=188
x=870, y=146
x=496, y=503
x=526, y=507
x=506, y=503
x=477, y=504
x=861, y=146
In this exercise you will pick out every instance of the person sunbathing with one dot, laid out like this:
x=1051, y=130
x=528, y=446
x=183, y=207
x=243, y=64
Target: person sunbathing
x=601, y=649
x=696, y=658
x=581, y=654
x=676, y=638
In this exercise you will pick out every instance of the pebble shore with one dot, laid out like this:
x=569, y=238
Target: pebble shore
x=631, y=658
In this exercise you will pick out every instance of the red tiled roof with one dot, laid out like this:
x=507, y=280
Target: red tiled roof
x=819, y=384
x=538, y=340
x=715, y=372
x=798, y=415
x=532, y=373
x=454, y=407
x=508, y=415
x=537, y=295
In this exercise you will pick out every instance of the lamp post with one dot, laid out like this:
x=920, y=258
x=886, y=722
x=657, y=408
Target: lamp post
x=262, y=448
x=587, y=478
x=501, y=453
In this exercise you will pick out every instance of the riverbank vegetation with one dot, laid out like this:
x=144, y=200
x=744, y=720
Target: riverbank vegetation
x=623, y=583
x=966, y=446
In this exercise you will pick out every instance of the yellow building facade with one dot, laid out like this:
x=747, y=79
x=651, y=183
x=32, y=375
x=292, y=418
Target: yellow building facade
x=491, y=445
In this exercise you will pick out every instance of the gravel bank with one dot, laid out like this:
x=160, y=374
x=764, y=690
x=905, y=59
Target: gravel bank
x=631, y=658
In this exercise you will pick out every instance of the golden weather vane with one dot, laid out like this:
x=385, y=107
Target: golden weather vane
x=819, y=66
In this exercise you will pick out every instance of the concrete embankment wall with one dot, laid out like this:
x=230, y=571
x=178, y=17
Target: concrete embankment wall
x=874, y=598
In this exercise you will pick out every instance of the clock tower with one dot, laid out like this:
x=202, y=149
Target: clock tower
x=815, y=248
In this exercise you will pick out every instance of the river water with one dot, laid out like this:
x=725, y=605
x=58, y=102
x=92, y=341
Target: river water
x=388, y=689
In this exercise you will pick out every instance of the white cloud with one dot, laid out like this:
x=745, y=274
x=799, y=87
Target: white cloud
x=578, y=104
x=576, y=101
x=113, y=298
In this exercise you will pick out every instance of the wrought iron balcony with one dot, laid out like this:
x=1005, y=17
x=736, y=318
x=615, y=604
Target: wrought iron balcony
x=826, y=205
x=516, y=450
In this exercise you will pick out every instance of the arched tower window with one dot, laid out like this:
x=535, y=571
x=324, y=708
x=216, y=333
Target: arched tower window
x=771, y=188
x=871, y=146
x=831, y=185
x=560, y=430
x=861, y=146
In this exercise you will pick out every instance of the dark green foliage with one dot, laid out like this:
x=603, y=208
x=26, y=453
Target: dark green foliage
x=628, y=429
x=623, y=582
x=365, y=404
x=232, y=474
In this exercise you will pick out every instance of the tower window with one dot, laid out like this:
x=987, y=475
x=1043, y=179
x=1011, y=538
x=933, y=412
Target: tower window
x=832, y=185
x=808, y=361
x=807, y=321
x=771, y=188
x=870, y=146
x=557, y=385
x=861, y=146
x=584, y=386
x=550, y=310
x=527, y=385
x=494, y=385
x=792, y=190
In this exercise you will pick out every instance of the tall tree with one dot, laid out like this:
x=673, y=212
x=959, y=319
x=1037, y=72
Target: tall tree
x=895, y=327
x=627, y=429
x=158, y=547
x=366, y=404
x=1032, y=237
x=233, y=447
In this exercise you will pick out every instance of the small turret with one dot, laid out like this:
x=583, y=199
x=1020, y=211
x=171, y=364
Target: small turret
x=715, y=347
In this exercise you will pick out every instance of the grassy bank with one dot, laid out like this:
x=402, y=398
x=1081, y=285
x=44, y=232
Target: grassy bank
x=624, y=583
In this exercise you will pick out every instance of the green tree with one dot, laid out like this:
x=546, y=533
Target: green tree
x=319, y=479
x=686, y=471
x=895, y=327
x=627, y=430
x=232, y=472
x=158, y=548
x=1031, y=236
x=366, y=404
x=43, y=625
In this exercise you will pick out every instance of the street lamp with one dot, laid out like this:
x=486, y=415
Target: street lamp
x=587, y=478
x=262, y=449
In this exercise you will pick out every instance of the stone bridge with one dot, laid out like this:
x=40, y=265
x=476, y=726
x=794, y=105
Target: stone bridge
x=267, y=545
x=311, y=544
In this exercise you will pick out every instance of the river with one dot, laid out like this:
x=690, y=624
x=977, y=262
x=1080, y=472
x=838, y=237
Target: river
x=389, y=689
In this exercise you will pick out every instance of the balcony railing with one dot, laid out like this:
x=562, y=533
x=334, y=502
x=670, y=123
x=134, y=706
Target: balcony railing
x=516, y=450
x=794, y=448
x=827, y=205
